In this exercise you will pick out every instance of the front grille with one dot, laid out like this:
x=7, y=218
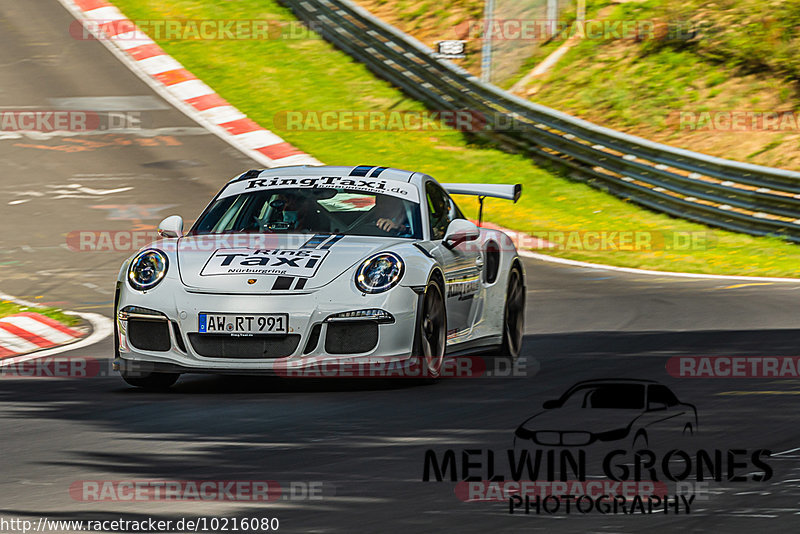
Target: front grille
x=573, y=439
x=149, y=335
x=248, y=347
x=548, y=438
x=351, y=337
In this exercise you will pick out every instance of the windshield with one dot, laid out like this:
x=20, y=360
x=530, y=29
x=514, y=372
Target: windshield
x=608, y=396
x=312, y=211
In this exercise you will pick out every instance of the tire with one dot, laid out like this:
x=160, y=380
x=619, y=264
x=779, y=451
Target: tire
x=513, y=316
x=430, y=336
x=151, y=380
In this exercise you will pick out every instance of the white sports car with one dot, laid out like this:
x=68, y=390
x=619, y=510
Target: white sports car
x=294, y=266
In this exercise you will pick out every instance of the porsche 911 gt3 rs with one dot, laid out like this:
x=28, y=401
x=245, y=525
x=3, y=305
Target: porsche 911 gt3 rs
x=293, y=266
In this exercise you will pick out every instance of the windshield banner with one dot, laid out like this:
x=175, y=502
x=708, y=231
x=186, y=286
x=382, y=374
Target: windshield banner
x=371, y=186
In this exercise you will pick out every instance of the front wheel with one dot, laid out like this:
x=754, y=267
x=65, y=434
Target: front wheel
x=151, y=380
x=431, y=331
x=514, y=316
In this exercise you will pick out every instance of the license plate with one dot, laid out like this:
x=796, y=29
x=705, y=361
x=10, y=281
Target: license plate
x=257, y=323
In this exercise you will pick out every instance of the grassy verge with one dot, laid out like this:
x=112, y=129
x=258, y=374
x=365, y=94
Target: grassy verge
x=263, y=78
x=9, y=308
x=659, y=88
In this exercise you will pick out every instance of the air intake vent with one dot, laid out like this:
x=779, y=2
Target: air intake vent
x=178, y=337
x=246, y=348
x=313, y=339
x=149, y=335
x=351, y=337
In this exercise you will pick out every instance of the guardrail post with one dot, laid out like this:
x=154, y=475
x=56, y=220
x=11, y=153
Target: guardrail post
x=486, y=50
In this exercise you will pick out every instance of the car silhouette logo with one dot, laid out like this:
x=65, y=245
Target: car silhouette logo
x=609, y=410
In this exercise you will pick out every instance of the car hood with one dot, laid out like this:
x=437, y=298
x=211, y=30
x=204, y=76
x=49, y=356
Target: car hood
x=580, y=420
x=277, y=262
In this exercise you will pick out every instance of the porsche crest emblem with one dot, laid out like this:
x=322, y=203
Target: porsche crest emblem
x=251, y=281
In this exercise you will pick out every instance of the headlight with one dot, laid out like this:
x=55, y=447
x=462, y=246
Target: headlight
x=380, y=273
x=147, y=269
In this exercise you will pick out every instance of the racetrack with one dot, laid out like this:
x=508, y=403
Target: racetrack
x=365, y=441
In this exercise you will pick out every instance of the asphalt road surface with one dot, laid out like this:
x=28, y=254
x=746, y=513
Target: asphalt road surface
x=359, y=444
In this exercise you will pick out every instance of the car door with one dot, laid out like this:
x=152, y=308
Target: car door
x=462, y=265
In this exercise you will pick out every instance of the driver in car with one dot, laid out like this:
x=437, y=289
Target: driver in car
x=391, y=215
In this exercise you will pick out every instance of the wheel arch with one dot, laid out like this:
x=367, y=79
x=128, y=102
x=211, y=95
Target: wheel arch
x=438, y=276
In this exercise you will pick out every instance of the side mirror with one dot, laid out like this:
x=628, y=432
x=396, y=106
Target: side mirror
x=656, y=406
x=172, y=226
x=460, y=231
x=549, y=405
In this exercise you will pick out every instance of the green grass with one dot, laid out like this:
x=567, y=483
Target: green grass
x=265, y=77
x=9, y=308
x=740, y=58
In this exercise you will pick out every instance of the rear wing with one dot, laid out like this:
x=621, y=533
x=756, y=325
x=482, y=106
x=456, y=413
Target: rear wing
x=504, y=191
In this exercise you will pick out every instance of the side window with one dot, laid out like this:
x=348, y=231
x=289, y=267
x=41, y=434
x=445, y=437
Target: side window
x=441, y=210
x=661, y=395
x=438, y=210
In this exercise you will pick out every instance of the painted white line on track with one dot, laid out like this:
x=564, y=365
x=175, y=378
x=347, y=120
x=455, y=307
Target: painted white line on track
x=631, y=270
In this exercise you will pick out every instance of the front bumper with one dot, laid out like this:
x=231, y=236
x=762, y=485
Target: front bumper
x=180, y=308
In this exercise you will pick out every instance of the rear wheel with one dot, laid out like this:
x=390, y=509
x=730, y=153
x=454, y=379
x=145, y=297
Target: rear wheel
x=514, y=315
x=431, y=332
x=151, y=380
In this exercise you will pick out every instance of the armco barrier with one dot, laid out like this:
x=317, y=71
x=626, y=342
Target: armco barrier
x=728, y=194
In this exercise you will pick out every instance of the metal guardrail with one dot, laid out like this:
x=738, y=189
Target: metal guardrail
x=728, y=194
